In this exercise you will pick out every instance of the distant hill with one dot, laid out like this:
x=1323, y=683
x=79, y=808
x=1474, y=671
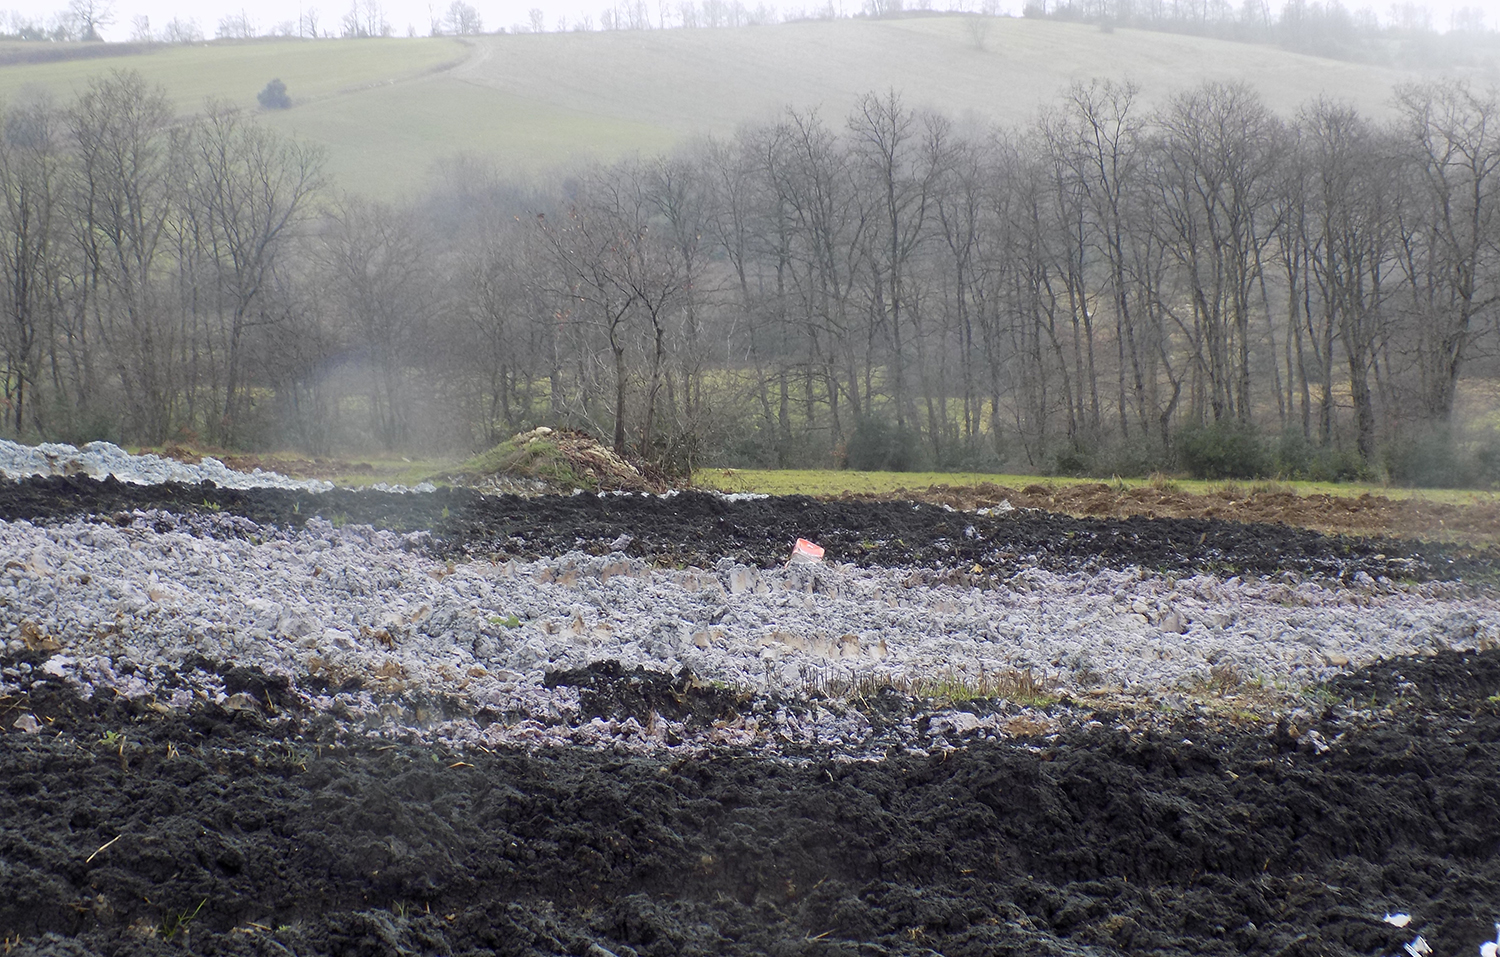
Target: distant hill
x=389, y=109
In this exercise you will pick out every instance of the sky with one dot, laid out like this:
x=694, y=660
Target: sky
x=508, y=14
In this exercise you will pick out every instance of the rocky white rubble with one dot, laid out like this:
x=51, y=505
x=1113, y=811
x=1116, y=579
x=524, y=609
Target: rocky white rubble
x=100, y=459
x=121, y=608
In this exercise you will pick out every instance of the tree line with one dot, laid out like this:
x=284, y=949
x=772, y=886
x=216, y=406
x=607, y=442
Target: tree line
x=1107, y=288
x=1407, y=35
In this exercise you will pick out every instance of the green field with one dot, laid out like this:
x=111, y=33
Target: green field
x=389, y=109
x=832, y=482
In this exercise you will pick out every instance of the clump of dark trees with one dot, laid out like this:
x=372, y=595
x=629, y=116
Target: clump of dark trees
x=1202, y=285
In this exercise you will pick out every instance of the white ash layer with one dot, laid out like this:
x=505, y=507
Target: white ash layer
x=120, y=608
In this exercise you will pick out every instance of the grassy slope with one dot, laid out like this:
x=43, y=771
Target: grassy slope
x=713, y=80
x=313, y=71
x=388, y=110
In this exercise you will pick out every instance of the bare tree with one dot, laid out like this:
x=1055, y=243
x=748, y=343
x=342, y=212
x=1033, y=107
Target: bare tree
x=32, y=180
x=248, y=192
x=182, y=31
x=1217, y=153
x=1452, y=137
x=91, y=16
x=977, y=28
x=128, y=171
x=626, y=280
x=381, y=287
x=1346, y=242
x=462, y=19
x=236, y=26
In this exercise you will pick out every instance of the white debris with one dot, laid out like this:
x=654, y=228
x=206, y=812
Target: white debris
x=100, y=459
x=1397, y=920
x=353, y=602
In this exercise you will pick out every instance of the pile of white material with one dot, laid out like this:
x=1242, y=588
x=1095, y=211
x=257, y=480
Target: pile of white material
x=99, y=459
x=121, y=606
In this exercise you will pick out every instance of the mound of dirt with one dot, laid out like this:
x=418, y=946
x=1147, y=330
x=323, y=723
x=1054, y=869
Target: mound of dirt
x=556, y=460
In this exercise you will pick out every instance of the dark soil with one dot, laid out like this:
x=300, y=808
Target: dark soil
x=606, y=690
x=234, y=836
x=700, y=529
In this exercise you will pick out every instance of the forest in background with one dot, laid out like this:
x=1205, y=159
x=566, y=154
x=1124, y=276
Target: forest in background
x=1205, y=286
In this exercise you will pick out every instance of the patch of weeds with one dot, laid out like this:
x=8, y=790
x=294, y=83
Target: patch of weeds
x=1243, y=717
x=1232, y=491
x=1272, y=488
x=338, y=519
x=1021, y=687
x=1161, y=483
x=1222, y=680
x=505, y=621
x=1320, y=695
x=171, y=926
x=952, y=688
x=1084, y=674
x=212, y=506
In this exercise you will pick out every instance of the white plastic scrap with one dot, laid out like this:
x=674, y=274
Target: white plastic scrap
x=1397, y=920
x=1491, y=948
x=1419, y=947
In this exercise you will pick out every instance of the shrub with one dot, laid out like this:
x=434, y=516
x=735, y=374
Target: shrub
x=1298, y=458
x=1221, y=450
x=1142, y=456
x=964, y=456
x=1074, y=461
x=877, y=445
x=1435, y=458
x=274, y=97
x=1429, y=459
